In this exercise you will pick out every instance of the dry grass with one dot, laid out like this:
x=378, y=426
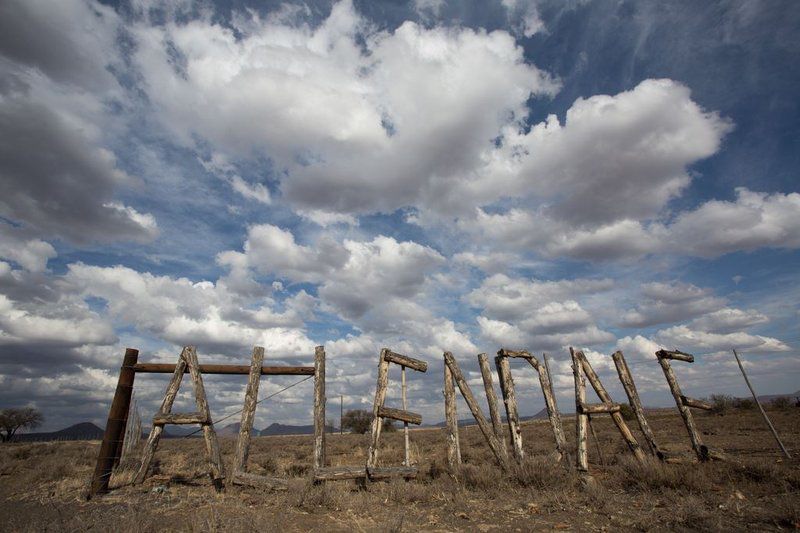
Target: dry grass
x=42, y=485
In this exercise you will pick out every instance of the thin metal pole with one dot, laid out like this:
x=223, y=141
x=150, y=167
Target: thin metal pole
x=763, y=413
x=407, y=461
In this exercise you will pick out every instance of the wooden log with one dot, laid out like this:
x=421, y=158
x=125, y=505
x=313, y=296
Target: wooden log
x=600, y=408
x=552, y=408
x=616, y=416
x=581, y=419
x=699, y=448
x=166, y=406
x=380, y=397
x=466, y=392
x=180, y=418
x=675, y=355
x=335, y=473
x=400, y=414
x=761, y=409
x=451, y=418
x=405, y=361
x=388, y=472
x=519, y=354
x=635, y=402
x=248, y=414
x=111, y=446
x=255, y=480
x=510, y=401
x=697, y=404
x=406, y=457
x=319, y=407
x=209, y=436
x=491, y=398
x=167, y=368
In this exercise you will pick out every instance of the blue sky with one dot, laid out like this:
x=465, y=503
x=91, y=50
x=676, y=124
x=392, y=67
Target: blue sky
x=428, y=175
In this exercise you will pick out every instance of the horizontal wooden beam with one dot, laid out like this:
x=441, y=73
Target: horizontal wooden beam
x=169, y=368
x=676, y=355
x=399, y=414
x=404, y=360
x=600, y=408
x=522, y=354
x=697, y=404
x=180, y=418
x=255, y=480
x=334, y=473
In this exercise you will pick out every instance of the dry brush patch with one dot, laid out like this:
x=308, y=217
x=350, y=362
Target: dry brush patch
x=42, y=484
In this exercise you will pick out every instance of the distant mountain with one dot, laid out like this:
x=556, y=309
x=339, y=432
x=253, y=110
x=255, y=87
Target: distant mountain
x=283, y=429
x=232, y=430
x=82, y=431
x=767, y=398
x=541, y=415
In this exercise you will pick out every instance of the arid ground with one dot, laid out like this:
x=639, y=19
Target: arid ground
x=43, y=485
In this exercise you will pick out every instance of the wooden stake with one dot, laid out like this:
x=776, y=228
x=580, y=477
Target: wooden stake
x=616, y=416
x=628, y=384
x=491, y=398
x=552, y=407
x=581, y=419
x=758, y=403
x=210, y=437
x=248, y=414
x=111, y=446
x=510, y=401
x=697, y=443
x=319, y=407
x=166, y=407
x=466, y=392
x=380, y=397
x=451, y=418
x=407, y=460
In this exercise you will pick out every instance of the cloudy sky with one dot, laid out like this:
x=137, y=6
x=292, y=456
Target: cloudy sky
x=427, y=175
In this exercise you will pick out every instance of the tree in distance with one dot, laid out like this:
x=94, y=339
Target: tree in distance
x=359, y=421
x=12, y=419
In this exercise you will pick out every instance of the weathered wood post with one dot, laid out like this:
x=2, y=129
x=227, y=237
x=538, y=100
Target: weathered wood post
x=758, y=403
x=581, y=418
x=510, y=401
x=248, y=414
x=380, y=397
x=683, y=403
x=635, y=402
x=451, y=418
x=491, y=398
x=319, y=407
x=550, y=404
x=209, y=436
x=612, y=409
x=407, y=458
x=111, y=446
x=466, y=392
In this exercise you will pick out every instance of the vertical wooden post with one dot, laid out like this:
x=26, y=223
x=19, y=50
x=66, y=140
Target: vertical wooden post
x=407, y=460
x=491, y=398
x=451, y=418
x=510, y=401
x=616, y=416
x=552, y=407
x=581, y=418
x=209, y=436
x=319, y=407
x=635, y=402
x=763, y=413
x=248, y=413
x=380, y=397
x=111, y=446
x=466, y=392
x=697, y=443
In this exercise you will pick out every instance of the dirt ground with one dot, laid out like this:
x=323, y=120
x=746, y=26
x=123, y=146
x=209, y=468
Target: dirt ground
x=43, y=485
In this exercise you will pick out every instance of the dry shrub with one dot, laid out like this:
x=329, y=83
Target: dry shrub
x=542, y=473
x=781, y=402
x=310, y=495
x=479, y=478
x=653, y=475
x=297, y=469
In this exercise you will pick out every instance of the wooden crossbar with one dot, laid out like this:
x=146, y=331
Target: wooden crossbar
x=168, y=368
